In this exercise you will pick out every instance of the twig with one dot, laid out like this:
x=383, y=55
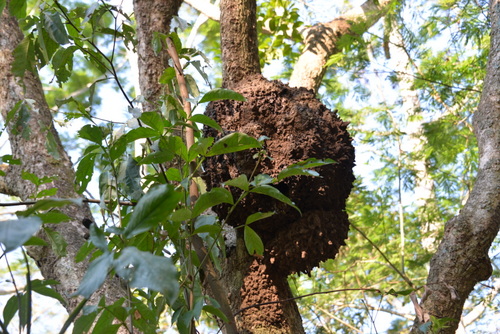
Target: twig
x=211, y=276
x=405, y=278
x=307, y=295
x=85, y=200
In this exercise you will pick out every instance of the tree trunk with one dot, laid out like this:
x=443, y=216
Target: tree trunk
x=257, y=295
x=152, y=17
x=30, y=140
x=238, y=30
x=462, y=259
x=254, y=288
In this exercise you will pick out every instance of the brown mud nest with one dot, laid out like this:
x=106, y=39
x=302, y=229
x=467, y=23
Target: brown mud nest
x=298, y=127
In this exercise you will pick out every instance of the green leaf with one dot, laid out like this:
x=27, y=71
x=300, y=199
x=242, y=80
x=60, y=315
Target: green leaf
x=132, y=179
x=30, y=177
x=46, y=193
x=43, y=287
x=10, y=309
x=274, y=193
x=84, y=323
x=181, y=215
x=222, y=94
x=8, y=159
x=98, y=238
x=52, y=217
x=152, y=209
x=173, y=174
x=167, y=76
x=18, y=8
x=92, y=133
x=14, y=233
x=301, y=168
x=153, y=119
x=95, y=275
x=84, y=251
x=55, y=28
x=157, y=158
x=293, y=171
x=200, y=118
x=35, y=241
x=51, y=145
x=239, y=182
x=142, y=132
x=258, y=216
x=233, y=142
x=192, y=86
x=118, y=148
x=200, y=147
x=252, y=241
x=24, y=56
x=62, y=62
x=145, y=270
x=84, y=172
x=261, y=179
x=56, y=241
x=211, y=198
x=215, y=311
x=206, y=224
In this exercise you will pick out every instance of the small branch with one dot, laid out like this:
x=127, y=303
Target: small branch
x=403, y=276
x=209, y=270
x=85, y=200
x=307, y=295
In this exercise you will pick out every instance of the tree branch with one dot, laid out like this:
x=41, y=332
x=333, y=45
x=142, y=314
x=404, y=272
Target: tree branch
x=462, y=259
x=30, y=147
x=320, y=41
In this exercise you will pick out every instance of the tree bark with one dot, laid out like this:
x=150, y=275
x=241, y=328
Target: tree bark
x=239, y=44
x=255, y=291
x=257, y=295
x=29, y=142
x=152, y=16
x=321, y=41
x=462, y=259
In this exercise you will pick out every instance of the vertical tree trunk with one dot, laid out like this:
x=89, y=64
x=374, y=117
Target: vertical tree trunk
x=29, y=142
x=462, y=259
x=239, y=44
x=152, y=16
x=249, y=281
x=254, y=293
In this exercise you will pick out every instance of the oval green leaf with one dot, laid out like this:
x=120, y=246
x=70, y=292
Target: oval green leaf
x=233, y=142
x=152, y=209
x=222, y=94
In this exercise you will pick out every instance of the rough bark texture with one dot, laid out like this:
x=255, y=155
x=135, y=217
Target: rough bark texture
x=320, y=41
x=298, y=126
x=152, y=16
x=240, y=53
x=462, y=259
x=254, y=292
x=29, y=142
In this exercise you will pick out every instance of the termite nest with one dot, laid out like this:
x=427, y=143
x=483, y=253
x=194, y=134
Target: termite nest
x=299, y=127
